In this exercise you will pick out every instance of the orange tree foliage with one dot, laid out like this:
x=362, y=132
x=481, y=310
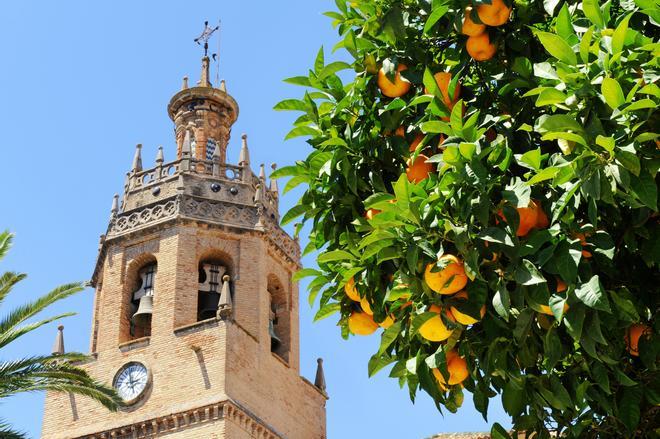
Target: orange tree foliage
x=543, y=180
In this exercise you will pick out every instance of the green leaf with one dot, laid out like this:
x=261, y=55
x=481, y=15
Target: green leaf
x=438, y=12
x=592, y=294
x=334, y=255
x=377, y=362
x=301, y=131
x=293, y=213
x=513, y=398
x=502, y=302
x=612, y=93
x=319, y=63
x=532, y=158
x=498, y=432
x=557, y=47
x=629, y=407
x=291, y=104
x=550, y=96
x=585, y=44
x=564, y=26
x=543, y=175
x=642, y=104
x=456, y=118
x=305, y=272
x=645, y=189
x=495, y=234
x=327, y=311
x=388, y=337
x=593, y=12
x=619, y=37
x=528, y=274
x=333, y=68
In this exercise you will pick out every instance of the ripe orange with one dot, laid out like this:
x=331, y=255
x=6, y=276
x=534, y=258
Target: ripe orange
x=457, y=368
x=395, y=89
x=450, y=279
x=418, y=170
x=434, y=329
x=495, y=14
x=545, y=309
x=583, y=241
x=542, y=221
x=633, y=335
x=361, y=323
x=480, y=48
x=351, y=291
x=401, y=132
x=371, y=213
x=528, y=218
x=461, y=318
x=418, y=139
x=389, y=321
x=561, y=285
x=470, y=28
x=364, y=304
x=443, y=79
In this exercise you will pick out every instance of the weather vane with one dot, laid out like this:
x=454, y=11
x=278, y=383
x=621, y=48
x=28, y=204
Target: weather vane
x=206, y=36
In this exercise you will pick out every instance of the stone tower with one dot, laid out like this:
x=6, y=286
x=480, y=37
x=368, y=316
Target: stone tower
x=195, y=316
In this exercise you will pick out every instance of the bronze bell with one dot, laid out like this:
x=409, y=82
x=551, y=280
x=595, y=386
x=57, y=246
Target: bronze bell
x=208, y=305
x=275, y=341
x=142, y=317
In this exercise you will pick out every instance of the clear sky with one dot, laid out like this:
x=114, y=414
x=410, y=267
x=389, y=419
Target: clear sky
x=81, y=83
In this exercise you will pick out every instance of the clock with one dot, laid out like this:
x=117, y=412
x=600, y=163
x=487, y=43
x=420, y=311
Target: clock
x=132, y=381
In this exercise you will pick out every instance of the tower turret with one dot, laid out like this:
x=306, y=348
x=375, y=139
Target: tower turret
x=207, y=113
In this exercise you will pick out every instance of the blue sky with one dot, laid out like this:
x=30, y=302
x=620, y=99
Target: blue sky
x=81, y=84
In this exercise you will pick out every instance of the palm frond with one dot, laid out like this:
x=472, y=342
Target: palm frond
x=6, y=239
x=28, y=310
x=6, y=432
x=11, y=366
x=12, y=334
x=7, y=281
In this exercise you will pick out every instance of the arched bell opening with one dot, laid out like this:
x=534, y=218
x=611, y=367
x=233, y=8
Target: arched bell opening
x=140, y=290
x=214, y=275
x=279, y=320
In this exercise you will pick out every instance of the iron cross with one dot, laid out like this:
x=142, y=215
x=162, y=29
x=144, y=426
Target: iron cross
x=206, y=36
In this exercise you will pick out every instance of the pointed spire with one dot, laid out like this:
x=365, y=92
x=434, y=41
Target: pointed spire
x=224, y=304
x=185, y=148
x=204, y=78
x=137, y=159
x=223, y=86
x=115, y=205
x=160, y=157
x=184, y=86
x=273, y=181
x=244, y=157
x=58, y=347
x=319, y=381
x=216, y=161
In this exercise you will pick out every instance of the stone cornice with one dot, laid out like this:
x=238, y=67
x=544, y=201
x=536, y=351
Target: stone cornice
x=175, y=422
x=190, y=208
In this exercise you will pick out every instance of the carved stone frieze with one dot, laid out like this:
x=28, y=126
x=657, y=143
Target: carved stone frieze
x=212, y=211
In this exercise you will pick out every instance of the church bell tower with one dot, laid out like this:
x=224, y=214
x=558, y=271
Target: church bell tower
x=195, y=319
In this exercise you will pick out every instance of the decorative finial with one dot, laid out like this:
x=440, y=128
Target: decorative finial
x=319, y=381
x=160, y=158
x=184, y=86
x=224, y=304
x=185, y=148
x=58, y=347
x=258, y=195
x=262, y=172
x=273, y=181
x=137, y=159
x=115, y=205
x=223, y=86
x=244, y=157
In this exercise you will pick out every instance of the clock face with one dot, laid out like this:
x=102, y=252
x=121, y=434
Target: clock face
x=131, y=381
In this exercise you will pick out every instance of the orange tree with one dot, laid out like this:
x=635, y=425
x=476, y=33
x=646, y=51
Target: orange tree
x=485, y=188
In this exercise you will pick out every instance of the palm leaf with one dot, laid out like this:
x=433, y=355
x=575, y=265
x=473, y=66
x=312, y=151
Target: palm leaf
x=7, y=281
x=5, y=242
x=28, y=310
x=14, y=333
x=7, y=433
